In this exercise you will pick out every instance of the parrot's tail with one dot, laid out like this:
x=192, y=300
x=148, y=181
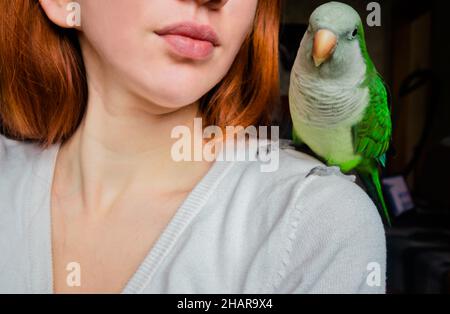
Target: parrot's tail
x=373, y=185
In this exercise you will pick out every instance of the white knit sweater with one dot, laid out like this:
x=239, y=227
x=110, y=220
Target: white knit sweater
x=239, y=231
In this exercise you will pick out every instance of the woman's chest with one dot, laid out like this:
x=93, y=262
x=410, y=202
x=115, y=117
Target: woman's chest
x=101, y=255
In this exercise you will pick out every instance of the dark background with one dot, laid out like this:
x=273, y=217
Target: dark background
x=411, y=50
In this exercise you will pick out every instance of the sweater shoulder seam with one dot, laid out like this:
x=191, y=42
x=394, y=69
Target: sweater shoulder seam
x=285, y=261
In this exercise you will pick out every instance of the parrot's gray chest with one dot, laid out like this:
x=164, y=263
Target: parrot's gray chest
x=328, y=103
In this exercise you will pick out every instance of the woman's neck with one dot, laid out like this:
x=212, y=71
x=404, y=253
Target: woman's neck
x=121, y=149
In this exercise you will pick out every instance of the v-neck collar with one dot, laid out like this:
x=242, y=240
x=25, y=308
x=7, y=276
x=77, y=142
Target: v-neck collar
x=191, y=206
x=40, y=231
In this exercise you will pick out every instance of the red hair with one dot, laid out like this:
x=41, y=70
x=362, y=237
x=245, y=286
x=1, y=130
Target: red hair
x=43, y=90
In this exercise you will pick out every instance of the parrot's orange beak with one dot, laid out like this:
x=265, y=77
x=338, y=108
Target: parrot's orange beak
x=325, y=42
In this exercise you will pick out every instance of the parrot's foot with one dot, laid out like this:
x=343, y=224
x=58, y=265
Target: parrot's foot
x=324, y=171
x=285, y=144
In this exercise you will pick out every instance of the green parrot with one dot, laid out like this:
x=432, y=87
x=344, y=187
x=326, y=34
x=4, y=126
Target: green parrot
x=338, y=101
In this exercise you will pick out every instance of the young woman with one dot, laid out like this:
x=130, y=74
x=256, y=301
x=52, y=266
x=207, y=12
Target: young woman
x=91, y=199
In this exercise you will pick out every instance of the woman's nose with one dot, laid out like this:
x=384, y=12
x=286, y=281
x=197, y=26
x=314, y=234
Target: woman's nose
x=213, y=4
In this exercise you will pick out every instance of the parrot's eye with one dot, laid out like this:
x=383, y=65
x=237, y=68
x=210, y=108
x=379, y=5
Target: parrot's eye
x=355, y=33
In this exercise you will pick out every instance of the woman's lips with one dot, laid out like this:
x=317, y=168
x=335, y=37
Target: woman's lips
x=190, y=40
x=188, y=47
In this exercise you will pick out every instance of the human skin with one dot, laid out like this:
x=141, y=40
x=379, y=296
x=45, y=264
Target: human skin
x=115, y=186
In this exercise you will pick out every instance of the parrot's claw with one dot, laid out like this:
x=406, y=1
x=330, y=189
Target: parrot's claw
x=324, y=171
x=284, y=144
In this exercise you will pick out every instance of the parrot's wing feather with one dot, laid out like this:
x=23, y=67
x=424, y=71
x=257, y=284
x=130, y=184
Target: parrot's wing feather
x=372, y=134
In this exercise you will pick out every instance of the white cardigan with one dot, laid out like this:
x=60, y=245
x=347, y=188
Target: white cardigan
x=239, y=231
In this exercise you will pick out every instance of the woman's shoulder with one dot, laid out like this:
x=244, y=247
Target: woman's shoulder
x=317, y=219
x=299, y=184
x=323, y=188
x=16, y=152
x=287, y=169
x=22, y=165
x=23, y=187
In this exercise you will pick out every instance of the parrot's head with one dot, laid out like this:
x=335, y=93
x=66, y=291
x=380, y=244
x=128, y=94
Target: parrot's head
x=331, y=47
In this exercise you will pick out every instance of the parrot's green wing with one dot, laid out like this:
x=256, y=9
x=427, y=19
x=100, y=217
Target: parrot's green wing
x=372, y=134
